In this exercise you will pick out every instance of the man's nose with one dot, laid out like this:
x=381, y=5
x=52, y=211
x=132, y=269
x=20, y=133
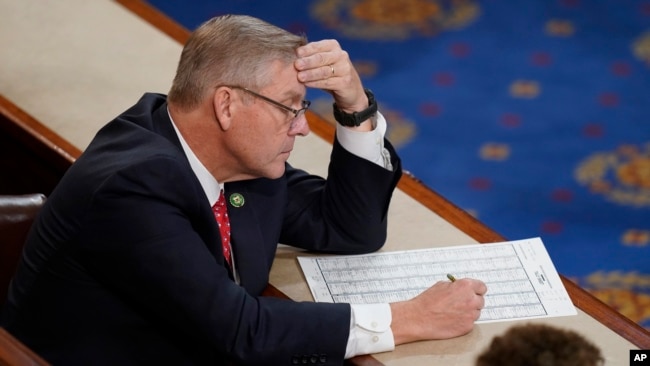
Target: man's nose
x=300, y=126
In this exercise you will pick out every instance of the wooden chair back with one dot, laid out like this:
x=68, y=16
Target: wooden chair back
x=14, y=353
x=17, y=213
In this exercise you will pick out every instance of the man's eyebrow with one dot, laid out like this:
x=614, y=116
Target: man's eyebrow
x=292, y=95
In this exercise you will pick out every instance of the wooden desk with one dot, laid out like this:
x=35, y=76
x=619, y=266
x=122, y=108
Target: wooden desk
x=418, y=216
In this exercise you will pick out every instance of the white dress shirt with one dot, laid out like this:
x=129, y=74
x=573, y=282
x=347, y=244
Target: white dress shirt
x=370, y=330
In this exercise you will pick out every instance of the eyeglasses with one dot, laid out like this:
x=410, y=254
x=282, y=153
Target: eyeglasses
x=296, y=112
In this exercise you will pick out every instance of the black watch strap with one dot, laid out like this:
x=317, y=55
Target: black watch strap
x=355, y=119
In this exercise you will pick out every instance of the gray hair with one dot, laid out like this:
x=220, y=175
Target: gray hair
x=230, y=50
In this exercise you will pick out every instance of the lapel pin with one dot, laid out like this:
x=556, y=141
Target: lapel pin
x=236, y=200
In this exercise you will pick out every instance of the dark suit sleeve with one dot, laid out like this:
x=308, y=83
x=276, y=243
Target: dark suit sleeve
x=347, y=212
x=141, y=240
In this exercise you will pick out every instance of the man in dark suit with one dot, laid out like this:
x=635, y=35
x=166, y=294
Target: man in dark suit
x=126, y=263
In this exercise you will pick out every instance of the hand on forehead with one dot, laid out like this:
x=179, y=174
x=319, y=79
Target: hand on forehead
x=324, y=65
x=318, y=62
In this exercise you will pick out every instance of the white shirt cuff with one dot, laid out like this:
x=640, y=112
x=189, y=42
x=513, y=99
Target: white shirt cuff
x=370, y=330
x=368, y=145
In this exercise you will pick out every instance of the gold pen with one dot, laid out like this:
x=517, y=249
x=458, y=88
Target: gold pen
x=451, y=277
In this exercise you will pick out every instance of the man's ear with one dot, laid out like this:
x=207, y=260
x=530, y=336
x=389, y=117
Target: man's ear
x=222, y=104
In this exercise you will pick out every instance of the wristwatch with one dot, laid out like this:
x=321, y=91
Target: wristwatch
x=355, y=119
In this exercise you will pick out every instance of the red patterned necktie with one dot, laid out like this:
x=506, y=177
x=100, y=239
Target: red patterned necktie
x=221, y=215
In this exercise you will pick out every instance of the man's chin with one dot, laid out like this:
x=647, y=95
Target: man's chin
x=275, y=171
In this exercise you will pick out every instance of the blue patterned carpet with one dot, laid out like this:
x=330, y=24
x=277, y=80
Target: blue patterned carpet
x=532, y=115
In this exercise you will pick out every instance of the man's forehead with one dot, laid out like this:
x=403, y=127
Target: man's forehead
x=283, y=81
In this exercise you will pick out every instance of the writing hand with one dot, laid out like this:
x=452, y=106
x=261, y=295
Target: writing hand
x=444, y=310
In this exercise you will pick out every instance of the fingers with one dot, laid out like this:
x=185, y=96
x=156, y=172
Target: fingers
x=465, y=298
x=317, y=54
x=319, y=73
x=478, y=286
x=310, y=75
x=324, y=65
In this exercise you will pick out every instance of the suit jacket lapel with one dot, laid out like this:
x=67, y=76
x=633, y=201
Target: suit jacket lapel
x=251, y=249
x=163, y=125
